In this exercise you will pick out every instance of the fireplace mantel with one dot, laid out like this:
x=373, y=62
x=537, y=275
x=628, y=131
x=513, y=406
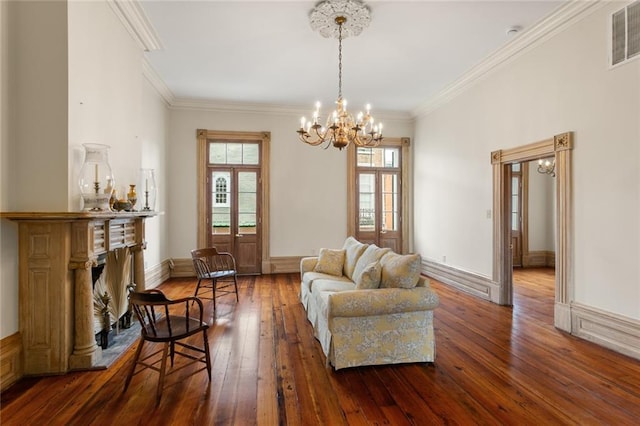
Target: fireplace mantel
x=56, y=253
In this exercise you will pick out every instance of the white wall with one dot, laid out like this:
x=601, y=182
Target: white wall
x=308, y=184
x=34, y=133
x=65, y=92
x=111, y=102
x=562, y=85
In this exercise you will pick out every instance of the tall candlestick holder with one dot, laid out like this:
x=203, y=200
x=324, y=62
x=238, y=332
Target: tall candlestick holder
x=146, y=202
x=148, y=182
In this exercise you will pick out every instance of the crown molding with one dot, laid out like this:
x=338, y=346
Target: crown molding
x=226, y=106
x=561, y=19
x=135, y=20
x=244, y=107
x=157, y=82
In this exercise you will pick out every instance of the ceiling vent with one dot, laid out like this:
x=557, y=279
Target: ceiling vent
x=625, y=34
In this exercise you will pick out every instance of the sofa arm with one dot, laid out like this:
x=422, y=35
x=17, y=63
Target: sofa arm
x=381, y=301
x=307, y=264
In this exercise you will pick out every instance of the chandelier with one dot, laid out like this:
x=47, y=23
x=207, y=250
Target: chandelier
x=337, y=18
x=547, y=167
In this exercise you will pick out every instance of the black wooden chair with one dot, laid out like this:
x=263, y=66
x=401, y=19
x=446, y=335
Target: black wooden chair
x=168, y=321
x=216, y=273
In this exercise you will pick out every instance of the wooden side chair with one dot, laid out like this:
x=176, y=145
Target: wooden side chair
x=168, y=321
x=216, y=273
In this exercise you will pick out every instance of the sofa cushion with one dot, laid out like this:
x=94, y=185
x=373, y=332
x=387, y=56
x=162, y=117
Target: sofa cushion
x=323, y=288
x=307, y=287
x=330, y=261
x=311, y=277
x=353, y=250
x=400, y=271
x=369, y=278
x=372, y=254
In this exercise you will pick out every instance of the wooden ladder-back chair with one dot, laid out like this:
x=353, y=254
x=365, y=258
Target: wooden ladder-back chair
x=216, y=273
x=168, y=321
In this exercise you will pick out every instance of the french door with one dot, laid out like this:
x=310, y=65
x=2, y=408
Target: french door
x=379, y=197
x=234, y=211
x=233, y=202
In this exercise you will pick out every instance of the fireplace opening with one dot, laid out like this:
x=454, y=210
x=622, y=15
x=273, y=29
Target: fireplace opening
x=112, y=282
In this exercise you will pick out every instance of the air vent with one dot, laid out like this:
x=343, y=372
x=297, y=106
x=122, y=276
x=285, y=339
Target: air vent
x=625, y=34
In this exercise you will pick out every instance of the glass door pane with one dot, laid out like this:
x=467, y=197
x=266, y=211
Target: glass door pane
x=390, y=202
x=515, y=203
x=221, y=201
x=247, y=202
x=367, y=202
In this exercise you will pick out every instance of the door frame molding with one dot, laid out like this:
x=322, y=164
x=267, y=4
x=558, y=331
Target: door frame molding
x=202, y=136
x=352, y=216
x=560, y=146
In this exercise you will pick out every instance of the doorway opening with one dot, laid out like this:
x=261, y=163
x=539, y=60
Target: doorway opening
x=560, y=148
x=533, y=236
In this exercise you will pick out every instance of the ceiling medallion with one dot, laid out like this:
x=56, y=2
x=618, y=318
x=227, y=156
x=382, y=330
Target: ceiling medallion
x=323, y=18
x=339, y=19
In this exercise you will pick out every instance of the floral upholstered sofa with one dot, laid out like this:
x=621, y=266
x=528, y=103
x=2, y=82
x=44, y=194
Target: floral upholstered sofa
x=368, y=305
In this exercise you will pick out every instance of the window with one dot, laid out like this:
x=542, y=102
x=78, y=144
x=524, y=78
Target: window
x=245, y=153
x=221, y=191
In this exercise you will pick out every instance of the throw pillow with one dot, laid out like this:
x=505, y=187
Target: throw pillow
x=400, y=271
x=354, y=250
x=370, y=277
x=373, y=253
x=330, y=261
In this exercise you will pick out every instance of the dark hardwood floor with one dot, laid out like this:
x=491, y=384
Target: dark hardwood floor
x=494, y=365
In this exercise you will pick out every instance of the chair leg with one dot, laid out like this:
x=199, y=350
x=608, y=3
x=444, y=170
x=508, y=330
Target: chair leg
x=163, y=367
x=172, y=352
x=133, y=365
x=207, y=355
x=235, y=283
x=214, y=284
x=197, y=288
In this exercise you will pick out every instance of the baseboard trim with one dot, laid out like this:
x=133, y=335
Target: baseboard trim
x=616, y=332
x=468, y=282
x=282, y=264
x=10, y=360
x=157, y=274
x=181, y=268
x=539, y=259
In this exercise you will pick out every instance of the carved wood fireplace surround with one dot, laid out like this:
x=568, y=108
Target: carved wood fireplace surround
x=56, y=254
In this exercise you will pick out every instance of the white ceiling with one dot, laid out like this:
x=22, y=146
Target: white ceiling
x=264, y=52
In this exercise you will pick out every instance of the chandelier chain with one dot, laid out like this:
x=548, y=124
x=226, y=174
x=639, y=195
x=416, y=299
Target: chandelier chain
x=340, y=61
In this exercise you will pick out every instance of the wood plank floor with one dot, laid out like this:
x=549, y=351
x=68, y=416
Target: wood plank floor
x=494, y=365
